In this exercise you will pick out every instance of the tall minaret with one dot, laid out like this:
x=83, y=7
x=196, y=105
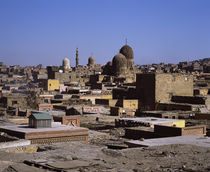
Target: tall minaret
x=77, y=58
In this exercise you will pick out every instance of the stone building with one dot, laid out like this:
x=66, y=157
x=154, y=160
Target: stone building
x=15, y=101
x=50, y=84
x=159, y=88
x=54, y=72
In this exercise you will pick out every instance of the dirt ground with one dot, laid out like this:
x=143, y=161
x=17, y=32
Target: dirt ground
x=164, y=158
x=170, y=158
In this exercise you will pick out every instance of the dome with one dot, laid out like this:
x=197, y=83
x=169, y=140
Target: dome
x=107, y=69
x=91, y=61
x=109, y=64
x=127, y=51
x=119, y=64
x=66, y=64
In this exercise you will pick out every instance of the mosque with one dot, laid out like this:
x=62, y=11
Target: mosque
x=122, y=64
x=66, y=67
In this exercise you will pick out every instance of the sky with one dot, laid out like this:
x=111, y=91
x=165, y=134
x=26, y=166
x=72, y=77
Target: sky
x=44, y=32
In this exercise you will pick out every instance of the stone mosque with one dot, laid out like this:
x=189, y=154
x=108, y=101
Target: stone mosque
x=121, y=67
x=122, y=64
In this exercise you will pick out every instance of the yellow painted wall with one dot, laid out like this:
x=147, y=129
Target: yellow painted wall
x=52, y=84
x=106, y=96
x=180, y=123
x=130, y=104
x=204, y=92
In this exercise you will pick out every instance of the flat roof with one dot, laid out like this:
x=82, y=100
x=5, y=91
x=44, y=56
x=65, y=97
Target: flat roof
x=27, y=129
x=150, y=120
x=189, y=139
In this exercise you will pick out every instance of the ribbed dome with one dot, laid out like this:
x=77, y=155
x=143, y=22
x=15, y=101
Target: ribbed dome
x=119, y=64
x=127, y=51
x=91, y=60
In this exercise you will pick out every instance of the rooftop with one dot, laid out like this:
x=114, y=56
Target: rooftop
x=40, y=116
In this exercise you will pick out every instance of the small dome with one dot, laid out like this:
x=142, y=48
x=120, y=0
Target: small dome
x=119, y=64
x=127, y=51
x=91, y=61
x=66, y=63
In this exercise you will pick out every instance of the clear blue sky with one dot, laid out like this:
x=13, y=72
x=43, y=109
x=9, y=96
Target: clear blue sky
x=45, y=31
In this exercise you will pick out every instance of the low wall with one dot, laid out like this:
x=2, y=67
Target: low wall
x=172, y=106
x=15, y=144
x=202, y=116
x=188, y=99
x=168, y=131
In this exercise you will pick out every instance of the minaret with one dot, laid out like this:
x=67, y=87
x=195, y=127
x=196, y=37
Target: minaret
x=77, y=58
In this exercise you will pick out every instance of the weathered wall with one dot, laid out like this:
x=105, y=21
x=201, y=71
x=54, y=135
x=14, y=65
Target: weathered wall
x=16, y=101
x=168, y=85
x=202, y=116
x=173, y=106
x=129, y=104
x=108, y=102
x=154, y=88
x=169, y=131
x=145, y=90
x=124, y=93
x=52, y=84
x=207, y=103
x=188, y=99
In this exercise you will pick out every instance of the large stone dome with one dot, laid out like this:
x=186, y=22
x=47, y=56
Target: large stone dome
x=127, y=51
x=91, y=61
x=119, y=64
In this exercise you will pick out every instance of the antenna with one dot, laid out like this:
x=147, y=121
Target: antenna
x=126, y=41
